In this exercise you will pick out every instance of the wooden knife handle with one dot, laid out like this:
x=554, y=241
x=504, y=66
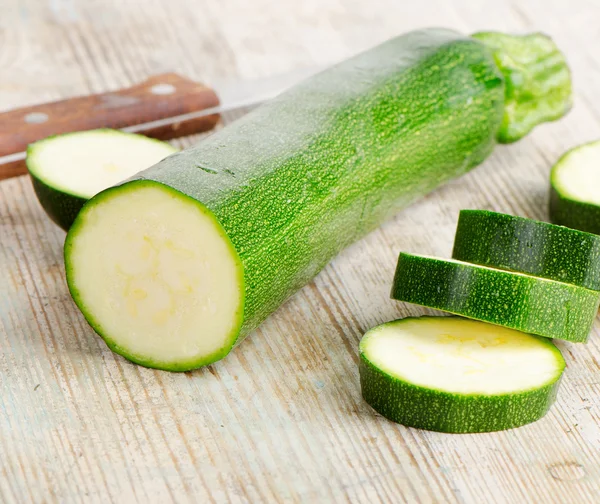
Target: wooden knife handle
x=159, y=97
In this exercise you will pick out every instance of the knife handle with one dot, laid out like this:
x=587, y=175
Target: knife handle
x=159, y=97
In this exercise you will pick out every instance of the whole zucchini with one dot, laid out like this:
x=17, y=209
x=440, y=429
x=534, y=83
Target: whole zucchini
x=177, y=265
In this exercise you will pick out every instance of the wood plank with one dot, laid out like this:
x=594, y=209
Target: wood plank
x=281, y=419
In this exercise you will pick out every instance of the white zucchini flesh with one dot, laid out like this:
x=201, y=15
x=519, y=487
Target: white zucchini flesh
x=463, y=357
x=577, y=175
x=168, y=285
x=452, y=374
x=84, y=163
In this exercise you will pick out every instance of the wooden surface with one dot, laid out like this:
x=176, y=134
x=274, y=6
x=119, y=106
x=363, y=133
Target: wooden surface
x=281, y=419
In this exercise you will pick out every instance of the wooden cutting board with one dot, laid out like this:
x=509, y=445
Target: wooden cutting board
x=280, y=419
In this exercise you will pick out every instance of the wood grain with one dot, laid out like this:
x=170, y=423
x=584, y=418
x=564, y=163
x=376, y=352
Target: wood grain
x=281, y=419
x=158, y=97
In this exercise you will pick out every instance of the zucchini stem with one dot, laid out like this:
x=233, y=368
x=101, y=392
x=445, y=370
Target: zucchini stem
x=537, y=81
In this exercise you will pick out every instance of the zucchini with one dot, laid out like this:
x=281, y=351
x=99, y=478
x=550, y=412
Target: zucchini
x=522, y=302
x=528, y=246
x=67, y=170
x=450, y=374
x=575, y=189
x=175, y=266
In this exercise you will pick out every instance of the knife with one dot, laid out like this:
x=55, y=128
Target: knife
x=165, y=106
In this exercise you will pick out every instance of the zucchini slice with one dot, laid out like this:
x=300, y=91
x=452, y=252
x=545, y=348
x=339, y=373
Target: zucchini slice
x=450, y=374
x=575, y=189
x=528, y=246
x=67, y=170
x=515, y=300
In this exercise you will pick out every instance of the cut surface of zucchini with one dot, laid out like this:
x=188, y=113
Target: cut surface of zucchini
x=452, y=374
x=575, y=189
x=528, y=246
x=69, y=169
x=168, y=286
x=510, y=299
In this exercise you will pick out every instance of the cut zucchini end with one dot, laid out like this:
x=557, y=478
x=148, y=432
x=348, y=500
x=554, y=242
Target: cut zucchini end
x=84, y=163
x=156, y=276
x=451, y=374
x=574, y=194
x=576, y=175
x=67, y=170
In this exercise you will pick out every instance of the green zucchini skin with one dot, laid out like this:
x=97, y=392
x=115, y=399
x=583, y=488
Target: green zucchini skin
x=461, y=414
x=528, y=246
x=307, y=174
x=529, y=304
x=575, y=214
x=60, y=206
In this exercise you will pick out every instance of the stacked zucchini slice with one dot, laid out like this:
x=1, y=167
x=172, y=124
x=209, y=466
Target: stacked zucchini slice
x=516, y=284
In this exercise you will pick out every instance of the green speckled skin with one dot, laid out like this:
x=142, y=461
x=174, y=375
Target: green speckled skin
x=302, y=177
x=526, y=303
x=60, y=206
x=528, y=246
x=575, y=214
x=438, y=410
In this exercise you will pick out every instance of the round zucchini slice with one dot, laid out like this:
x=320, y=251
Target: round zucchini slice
x=528, y=246
x=515, y=300
x=450, y=374
x=67, y=170
x=575, y=189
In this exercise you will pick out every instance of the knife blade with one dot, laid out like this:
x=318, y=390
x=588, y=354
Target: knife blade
x=165, y=106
